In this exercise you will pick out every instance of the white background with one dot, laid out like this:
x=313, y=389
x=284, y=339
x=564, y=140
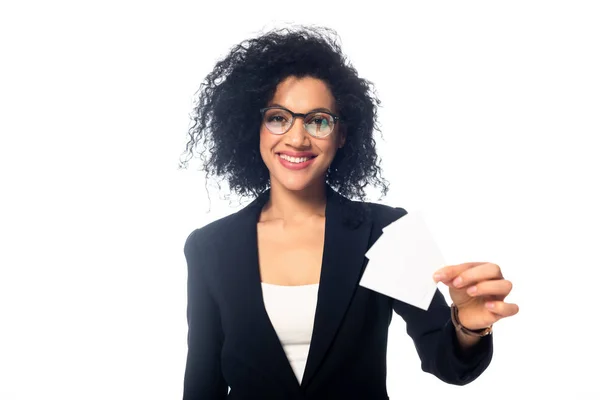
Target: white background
x=490, y=124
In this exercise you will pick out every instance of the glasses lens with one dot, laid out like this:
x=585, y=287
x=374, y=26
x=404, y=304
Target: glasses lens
x=277, y=121
x=319, y=124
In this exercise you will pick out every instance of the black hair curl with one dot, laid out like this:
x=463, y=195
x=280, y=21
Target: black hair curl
x=226, y=117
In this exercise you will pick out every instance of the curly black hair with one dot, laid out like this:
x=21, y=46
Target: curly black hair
x=226, y=117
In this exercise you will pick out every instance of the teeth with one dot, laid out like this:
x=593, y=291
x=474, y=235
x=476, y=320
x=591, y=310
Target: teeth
x=295, y=160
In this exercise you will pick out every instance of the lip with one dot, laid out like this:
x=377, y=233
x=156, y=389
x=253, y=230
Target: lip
x=296, y=166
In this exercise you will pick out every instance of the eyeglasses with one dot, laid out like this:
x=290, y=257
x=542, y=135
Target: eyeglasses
x=279, y=120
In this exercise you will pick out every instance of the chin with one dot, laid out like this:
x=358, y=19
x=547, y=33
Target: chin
x=297, y=183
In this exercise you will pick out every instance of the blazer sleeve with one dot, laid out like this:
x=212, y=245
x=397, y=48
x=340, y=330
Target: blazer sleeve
x=203, y=379
x=437, y=345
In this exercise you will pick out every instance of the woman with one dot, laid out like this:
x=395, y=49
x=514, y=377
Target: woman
x=274, y=306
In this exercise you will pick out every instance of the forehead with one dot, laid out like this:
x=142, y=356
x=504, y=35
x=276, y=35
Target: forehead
x=303, y=94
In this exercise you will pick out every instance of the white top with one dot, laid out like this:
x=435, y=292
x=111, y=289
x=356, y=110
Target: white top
x=291, y=310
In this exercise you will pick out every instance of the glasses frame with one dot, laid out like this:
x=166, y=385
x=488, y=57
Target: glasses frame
x=336, y=118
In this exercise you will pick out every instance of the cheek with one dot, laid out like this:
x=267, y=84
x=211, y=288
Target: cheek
x=268, y=141
x=264, y=140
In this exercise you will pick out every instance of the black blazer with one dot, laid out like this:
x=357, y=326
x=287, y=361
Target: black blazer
x=231, y=342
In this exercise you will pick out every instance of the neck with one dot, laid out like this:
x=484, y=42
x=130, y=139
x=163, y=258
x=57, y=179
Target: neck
x=289, y=205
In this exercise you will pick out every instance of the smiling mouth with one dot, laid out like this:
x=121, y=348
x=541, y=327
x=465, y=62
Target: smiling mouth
x=295, y=160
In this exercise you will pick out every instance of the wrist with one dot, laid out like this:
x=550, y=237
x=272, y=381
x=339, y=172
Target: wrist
x=475, y=333
x=465, y=341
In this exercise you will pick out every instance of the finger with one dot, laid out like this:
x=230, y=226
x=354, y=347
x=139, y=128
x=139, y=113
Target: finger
x=502, y=309
x=450, y=272
x=478, y=273
x=498, y=287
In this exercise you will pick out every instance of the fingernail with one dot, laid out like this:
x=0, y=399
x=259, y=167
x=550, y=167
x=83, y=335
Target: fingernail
x=438, y=277
x=457, y=282
x=489, y=305
x=472, y=290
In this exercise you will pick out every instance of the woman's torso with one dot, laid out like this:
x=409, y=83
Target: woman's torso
x=291, y=254
x=290, y=258
x=291, y=310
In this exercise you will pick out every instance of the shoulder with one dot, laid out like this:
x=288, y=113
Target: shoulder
x=385, y=212
x=208, y=235
x=217, y=234
x=381, y=214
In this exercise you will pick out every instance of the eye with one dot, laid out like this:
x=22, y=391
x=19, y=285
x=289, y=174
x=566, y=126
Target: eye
x=276, y=118
x=320, y=120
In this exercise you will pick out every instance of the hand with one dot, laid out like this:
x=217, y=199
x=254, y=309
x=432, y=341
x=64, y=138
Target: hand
x=478, y=290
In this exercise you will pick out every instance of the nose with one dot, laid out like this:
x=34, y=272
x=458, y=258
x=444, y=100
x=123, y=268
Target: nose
x=297, y=135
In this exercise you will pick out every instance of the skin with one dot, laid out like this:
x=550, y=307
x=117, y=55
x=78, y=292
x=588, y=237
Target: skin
x=478, y=289
x=291, y=227
x=301, y=96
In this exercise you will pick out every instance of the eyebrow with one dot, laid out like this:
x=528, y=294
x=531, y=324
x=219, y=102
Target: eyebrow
x=313, y=110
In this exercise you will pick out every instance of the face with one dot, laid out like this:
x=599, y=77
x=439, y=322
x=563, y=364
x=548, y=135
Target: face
x=281, y=153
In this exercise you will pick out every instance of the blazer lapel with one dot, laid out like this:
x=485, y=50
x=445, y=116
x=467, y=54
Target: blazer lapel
x=347, y=231
x=346, y=241
x=261, y=347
